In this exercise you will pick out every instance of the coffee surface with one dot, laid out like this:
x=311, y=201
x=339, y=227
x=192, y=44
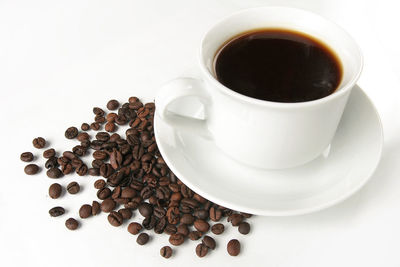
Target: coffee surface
x=278, y=65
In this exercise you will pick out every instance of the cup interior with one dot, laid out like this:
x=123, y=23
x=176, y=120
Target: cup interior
x=333, y=36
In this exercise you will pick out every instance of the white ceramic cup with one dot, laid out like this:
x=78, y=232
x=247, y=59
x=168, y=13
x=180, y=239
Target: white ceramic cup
x=256, y=132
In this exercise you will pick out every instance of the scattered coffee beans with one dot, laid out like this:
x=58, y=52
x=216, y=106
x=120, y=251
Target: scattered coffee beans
x=244, y=228
x=71, y=224
x=209, y=242
x=39, y=142
x=31, y=169
x=112, y=104
x=142, y=239
x=26, y=156
x=217, y=229
x=71, y=132
x=49, y=153
x=54, y=173
x=108, y=205
x=55, y=190
x=166, y=252
x=115, y=219
x=85, y=211
x=233, y=247
x=134, y=228
x=85, y=127
x=201, y=250
x=95, y=208
x=56, y=211
x=73, y=188
x=176, y=239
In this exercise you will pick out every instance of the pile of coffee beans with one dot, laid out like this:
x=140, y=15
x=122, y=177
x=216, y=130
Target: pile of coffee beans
x=134, y=177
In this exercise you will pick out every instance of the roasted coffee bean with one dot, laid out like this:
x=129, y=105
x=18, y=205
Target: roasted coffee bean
x=55, y=191
x=131, y=205
x=26, y=156
x=99, y=184
x=51, y=163
x=79, y=150
x=126, y=213
x=99, y=119
x=162, y=192
x=69, y=155
x=128, y=192
x=244, y=228
x=85, y=126
x=85, y=211
x=159, y=212
x=112, y=104
x=173, y=215
x=142, y=239
x=233, y=247
x=100, y=155
x=170, y=229
x=76, y=162
x=116, y=179
x=116, y=159
x=201, y=250
x=98, y=111
x=108, y=205
x=111, y=117
x=133, y=99
x=31, y=169
x=82, y=170
x=104, y=193
x=183, y=229
x=83, y=137
x=160, y=225
x=201, y=225
x=95, y=208
x=71, y=224
x=217, y=229
x=215, y=214
x=137, y=105
x=73, y=188
x=56, y=211
x=106, y=170
x=115, y=219
x=54, y=173
x=187, y=219
x=94, y=171
x=110, y=127
x=134, y=228
x=186, y=192
x=71, y=132
x=39, y=142
x=121, y=120
x=175, y=188
x=49, y=153
x=166, y=252
x=95, y=126
x=176, y=196
x=235, y=219
x=201, y=214
x=176, y=239
x=146, y=192
x=103, y=136
x=67, y=169
x=209, y=242
x=190, y=202
x=149, y=222
x=195, y=235
x=116, y=193
x=97, y=163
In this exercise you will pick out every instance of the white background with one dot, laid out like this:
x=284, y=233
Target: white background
x=58, y=59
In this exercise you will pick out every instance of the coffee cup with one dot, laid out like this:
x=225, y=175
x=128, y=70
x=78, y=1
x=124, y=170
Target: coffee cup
x=255, y=132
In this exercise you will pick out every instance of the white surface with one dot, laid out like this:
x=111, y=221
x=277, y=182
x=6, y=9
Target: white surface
x=344, y=167
x=54, y=56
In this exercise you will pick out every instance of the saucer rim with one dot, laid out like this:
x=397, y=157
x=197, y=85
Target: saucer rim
x=286, y=213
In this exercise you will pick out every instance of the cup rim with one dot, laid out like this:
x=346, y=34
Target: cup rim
x=342, y=89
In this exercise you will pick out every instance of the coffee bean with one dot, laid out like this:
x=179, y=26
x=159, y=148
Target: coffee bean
x=97, y=163
x=39, y=142
x=85, y=211
x=49, y=153
x=166, y=252
x=94, y=171
x=51, y=163
x=82, y=170
x=115, y=219
x=235, y=219
x=108, y=205
x=71, y=224
x=176, y=239
x=112, y=104
x=170, y=229
x=244, y=228
x=142, y=239
x=201, y=250
x=95, y=208
x=95, y=126
x=195, y=235
x=149, y=222
x=26, y=156
x=69, y=155
x=215, y=214
x=209, y=242
x=134, y=228
x=201, y=214
x=99, y=184
x=71, y=132
x=233, y=247
x=98, y=111
x=85, y=126
x=217, y=229
x=133, y=99
x=187, y=218
x=111, y=117
x=56, y=211
x=54, y=173
x=173, y=215
x=31, y=169
x=104, y=193
x=126, y=213
x=55, y=191
x=110, y=127
x=83, y=137
x=201, y=225
x=183, y=229
x=73, y=188
x=103, y=136
x=145, y=209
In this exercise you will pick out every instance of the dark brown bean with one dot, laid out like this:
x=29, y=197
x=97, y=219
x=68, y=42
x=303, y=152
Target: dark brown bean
x=112, y=104
x=49, y=153
x=115, y=219
x=104, y=193
x=201, y=225
x=31, y=169
x=85, y=126
x=166, y=252
x=54, y=173
x=134, y=228
x=217, y=229
x=235, y=219
x=126, y=213
x=244, y=228
x=85, y=211
x=142, y=239
x=209, y=242
x=195, y=235
x=95, y=208
x=71, y=133
x=39, y=142
x=55, y=191
x=201, y=250
x=176, y=239
x=233, y=247
x=71, y=224
x=73, y=188
x=26, y=156
x=56, y=211
x=108, y=205
x=99, y=184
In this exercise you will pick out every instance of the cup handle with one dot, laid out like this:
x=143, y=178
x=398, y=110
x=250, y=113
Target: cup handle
x=177, y=89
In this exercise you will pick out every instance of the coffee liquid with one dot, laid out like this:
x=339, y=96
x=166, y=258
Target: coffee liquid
x=278, y=65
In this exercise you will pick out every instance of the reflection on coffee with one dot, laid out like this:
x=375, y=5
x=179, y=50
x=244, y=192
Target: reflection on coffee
x=278, y=65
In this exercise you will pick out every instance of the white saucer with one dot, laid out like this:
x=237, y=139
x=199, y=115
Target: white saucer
x=337, y=174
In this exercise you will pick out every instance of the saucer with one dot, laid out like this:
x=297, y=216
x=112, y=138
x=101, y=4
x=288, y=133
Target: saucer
x=344, y=167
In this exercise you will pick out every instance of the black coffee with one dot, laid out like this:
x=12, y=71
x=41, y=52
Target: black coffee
x=278, y=65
